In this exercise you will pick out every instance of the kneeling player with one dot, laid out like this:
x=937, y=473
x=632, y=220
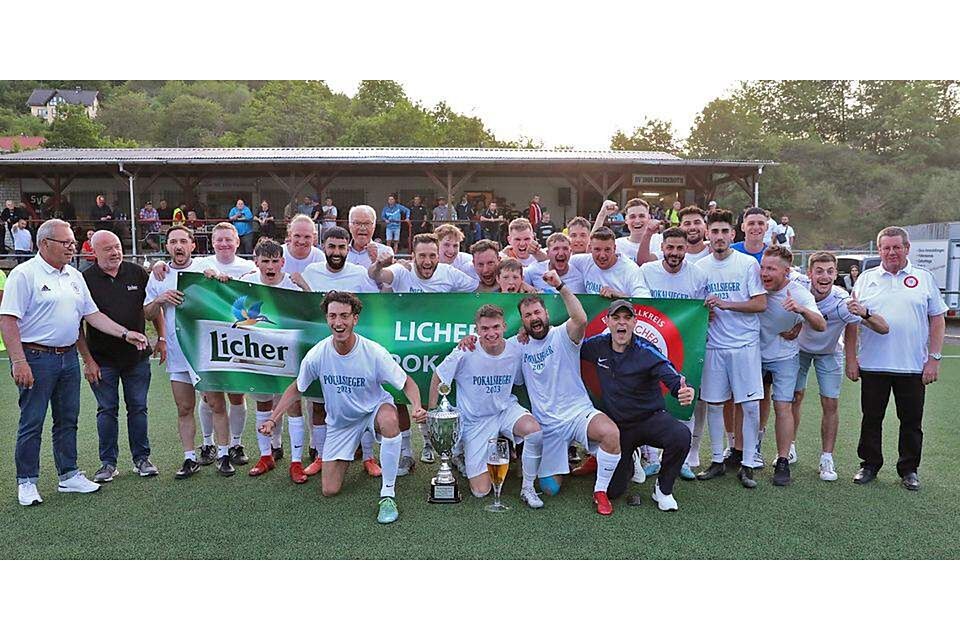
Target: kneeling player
x=485, y=378
x=351, y=371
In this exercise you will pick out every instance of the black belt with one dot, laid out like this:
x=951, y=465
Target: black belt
x=46, y=349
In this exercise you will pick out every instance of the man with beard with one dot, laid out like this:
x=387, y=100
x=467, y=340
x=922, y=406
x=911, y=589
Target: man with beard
x=300, y=251
x=521, y=244
x=578, y=230
x=693, y=223
x=486, y=261
x=822, y=349
x=604, y=273
x=644, y=239
x=558, y=260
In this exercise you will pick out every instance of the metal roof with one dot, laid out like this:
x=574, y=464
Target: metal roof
x=354, y=155
x=40, y=97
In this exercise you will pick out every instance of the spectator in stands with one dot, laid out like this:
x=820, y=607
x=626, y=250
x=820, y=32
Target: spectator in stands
x=783, y=233
x=179, y=215
x=418, y=217
x=150, y=225
x=491, y=222
x=711, y=207
x=442, y=212
x=329, y=217
x=545, y=229
x=67, y=211
x=10, y=216
x=268, y=226
x=22, y=241
x=672, y=215
x=850, y=279
x=393, y=214
x=463, y=211
x=87, y=257
x=306, y=207
x=101, y=214
x=242, y=219
x=164, y=213
x=192, y=221
x=534, y=211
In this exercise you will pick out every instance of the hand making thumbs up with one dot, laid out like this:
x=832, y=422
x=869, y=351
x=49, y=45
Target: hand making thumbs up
x=685, y=394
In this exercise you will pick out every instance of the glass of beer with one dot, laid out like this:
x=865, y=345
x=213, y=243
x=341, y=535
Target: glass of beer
x=498, y=462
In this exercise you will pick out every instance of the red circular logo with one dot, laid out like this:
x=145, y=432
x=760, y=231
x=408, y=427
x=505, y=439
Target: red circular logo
x=910, y=282
x=651, y=325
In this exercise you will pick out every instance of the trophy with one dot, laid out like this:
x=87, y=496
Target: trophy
x=443, y=425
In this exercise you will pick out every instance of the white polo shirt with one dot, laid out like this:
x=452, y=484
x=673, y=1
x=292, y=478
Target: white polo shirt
x=48, y=302
x=906, y=300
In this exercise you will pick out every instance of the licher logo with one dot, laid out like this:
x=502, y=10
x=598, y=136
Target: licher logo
x=248, y=313
x=652, y=325
x=911, y=282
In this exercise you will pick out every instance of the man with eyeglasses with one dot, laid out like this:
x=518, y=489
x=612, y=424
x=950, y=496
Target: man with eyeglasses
x=43, y=302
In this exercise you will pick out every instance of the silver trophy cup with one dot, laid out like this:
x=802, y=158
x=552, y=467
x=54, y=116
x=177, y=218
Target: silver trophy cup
x=443, y=425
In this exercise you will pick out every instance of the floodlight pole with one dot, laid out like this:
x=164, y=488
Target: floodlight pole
x=133, y=218
x=756, y=187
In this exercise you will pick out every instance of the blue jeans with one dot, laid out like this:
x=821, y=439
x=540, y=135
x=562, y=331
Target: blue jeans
x=136, y=383
x=56, y=383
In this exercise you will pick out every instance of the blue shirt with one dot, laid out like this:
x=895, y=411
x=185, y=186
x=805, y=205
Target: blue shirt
x=630, y=381
x=243, y=224
x=393, y=215
x=742, y=248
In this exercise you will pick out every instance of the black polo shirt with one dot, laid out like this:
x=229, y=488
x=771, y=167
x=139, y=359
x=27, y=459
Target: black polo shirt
x=121, y=300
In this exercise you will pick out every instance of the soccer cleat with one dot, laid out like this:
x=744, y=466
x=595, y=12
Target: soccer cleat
x=792, y=456
x=313, y=468
x=428, y=455
x=264, y=464
x=188, y=468
x=781, y=473
x=664, y=502
x=715, y=470
x=651, y=469
x=145, y=468
x=600, y=499
x=372, y=468
x=687, y=473
x=237, y=455
x=758, y=460
x=77, y=484
x=388, y=511
x=550, y=486
x=745, y=476
x=733, y=461
x=827, y=471
x=28, y=495
x=224, y=467
x=208, y=454
x=277, y=453
x=530, y=498
x=106, y=473
x=406, y=466
x=588, y=467
x=296, y=473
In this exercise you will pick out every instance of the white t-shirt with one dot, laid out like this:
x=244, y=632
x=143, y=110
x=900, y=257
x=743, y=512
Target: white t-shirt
x=445, y=279
x=464, y=262
x=834, y=309
x=361, y=258
x=735, y=278
x=176, y=362
x=22, y=240
x=484, y=382
x=297, y=265
x=786, y=230
x=775, y=320
x=624, y=276
x=352, y=278
x=687, y=283
x=768, y=234
x=526, y=262
x=628, y=249
x=533, y=276
x=551, y=373
x=286, y=283
x=352, y=384
x=906, y=300
x=239, y=266
x=48, y=302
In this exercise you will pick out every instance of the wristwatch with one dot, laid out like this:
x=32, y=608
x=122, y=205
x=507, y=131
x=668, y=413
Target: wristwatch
x=123, y=336
x=561, y=286
x=161, y=339
x=936, y=356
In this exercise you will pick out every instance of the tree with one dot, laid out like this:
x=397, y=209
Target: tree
x=652, y=135
x=189, y=121
x=378, y=96
x=130, y=115
x=402, y=125
x=21, y=124
x=293, y=114
x=73, y=128
x=455, y=130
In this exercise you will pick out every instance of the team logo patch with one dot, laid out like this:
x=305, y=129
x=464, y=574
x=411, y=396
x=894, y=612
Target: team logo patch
x=76, y=287
x=911, y=282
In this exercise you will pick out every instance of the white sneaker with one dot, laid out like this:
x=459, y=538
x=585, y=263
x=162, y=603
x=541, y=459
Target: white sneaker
x=792, y=456
x=77, y=484
x=28, y=495
x=638, y=475
x=530, y=498
x=664, y=502
x=827, y=472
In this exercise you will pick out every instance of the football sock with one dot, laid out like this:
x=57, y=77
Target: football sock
x=366, y=444
x=222, y=451
x=530, y=458
x=751, y=428
x=825, y=456
x=760, y=434
x=389, y=462
x=206, y=422
x=318, y=436
x=715, y=426
x=425, y=432
x=190, y=455
x=693, y=456
x=238, y=418
x=606, y=465
x=406, y=449
x=276, y=438
x=264, y=442
x=295, y=426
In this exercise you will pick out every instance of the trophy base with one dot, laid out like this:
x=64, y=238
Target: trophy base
x=443, y=493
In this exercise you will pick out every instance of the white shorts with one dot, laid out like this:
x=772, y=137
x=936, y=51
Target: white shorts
x=474, y=438
x=264, y=397
x=181, y=376
x=557, y=440
x=732, y=372
x=341, y=444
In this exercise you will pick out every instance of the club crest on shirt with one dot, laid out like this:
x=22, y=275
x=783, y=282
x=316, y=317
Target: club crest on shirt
x=76, y=287
x=911, y=282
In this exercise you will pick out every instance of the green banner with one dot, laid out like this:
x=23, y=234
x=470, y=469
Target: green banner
x=244, y=337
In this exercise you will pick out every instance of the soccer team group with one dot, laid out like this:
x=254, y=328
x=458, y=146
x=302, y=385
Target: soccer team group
x=768, y=324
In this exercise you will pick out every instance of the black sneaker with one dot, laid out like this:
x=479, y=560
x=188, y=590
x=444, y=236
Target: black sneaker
x=715, y=470
x=781, y=472
x=745, y=476
x=237, y=456
x=277, y=453
x=189, y=468
x=208, y=454
x=224, y=467
x=734, y=460
x=313, y=454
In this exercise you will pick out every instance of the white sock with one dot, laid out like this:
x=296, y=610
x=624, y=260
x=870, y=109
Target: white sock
x=237, y=418
x=715, y=426
x=696, y=425
x=276, y=438
x=223, y=451
x=295, y=426
x=760, y=434
x=366, y=444
x=425, y=432
x=530, y=459
x=825, y=456
x=731, y=438
x=389, y=463
x=190, y=455
x=406, y=449
x=206, y=422
x=317, y=437
x=606, y=465
x=263, y=441
x=751, y=429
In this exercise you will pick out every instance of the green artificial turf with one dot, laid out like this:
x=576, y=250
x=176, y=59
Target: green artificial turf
x=241, y=517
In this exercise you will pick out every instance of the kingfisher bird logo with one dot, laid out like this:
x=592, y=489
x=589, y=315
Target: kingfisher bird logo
x=248, y=316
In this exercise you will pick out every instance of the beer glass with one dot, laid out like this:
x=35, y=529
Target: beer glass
x=498, y=461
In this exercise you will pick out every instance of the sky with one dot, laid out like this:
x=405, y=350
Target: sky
x=556, y=116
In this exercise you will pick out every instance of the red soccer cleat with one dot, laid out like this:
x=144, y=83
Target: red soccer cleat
x=296, y=473
x=373, y=469
x=588, y=467
x=264, y=464
x=604, y=507
x=314, y=467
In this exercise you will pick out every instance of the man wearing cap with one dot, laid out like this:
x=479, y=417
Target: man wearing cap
x=630, y=369
x=904, y=360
